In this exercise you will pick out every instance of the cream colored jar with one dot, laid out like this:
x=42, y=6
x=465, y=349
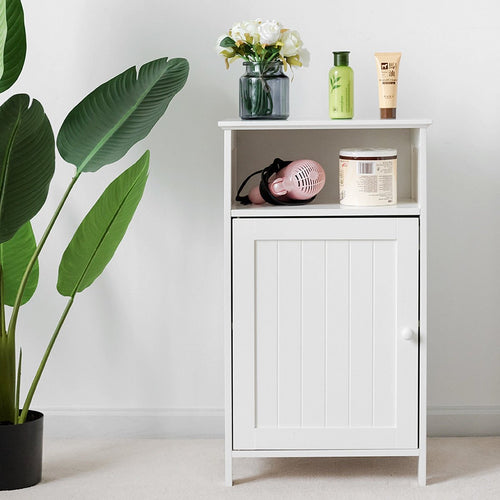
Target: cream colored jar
x=368, y=176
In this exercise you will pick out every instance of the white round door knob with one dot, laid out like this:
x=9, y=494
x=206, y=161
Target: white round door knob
x=407, y=333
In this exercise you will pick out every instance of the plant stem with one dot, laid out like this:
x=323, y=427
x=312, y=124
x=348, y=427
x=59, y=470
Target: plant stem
x=29, y=267
x=7, y=378
x=46, y=355
x=7, y=365
x=18, y=387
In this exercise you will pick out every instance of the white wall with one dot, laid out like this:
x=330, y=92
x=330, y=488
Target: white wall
x=145, y=341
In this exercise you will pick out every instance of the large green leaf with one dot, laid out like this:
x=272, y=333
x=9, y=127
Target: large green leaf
x=102, y=229
x=27, y=161
x=119, y=113
x=3, y=32
x=14, y=257
x=12, y=42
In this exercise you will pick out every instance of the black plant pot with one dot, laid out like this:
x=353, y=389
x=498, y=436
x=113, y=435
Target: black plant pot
x=21, y=453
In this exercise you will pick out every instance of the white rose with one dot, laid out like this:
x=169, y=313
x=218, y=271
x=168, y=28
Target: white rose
x=269, y=32
x=240, y=31
x=291, y=43
x=237, y=32
x=304, y=57
x=251, y=28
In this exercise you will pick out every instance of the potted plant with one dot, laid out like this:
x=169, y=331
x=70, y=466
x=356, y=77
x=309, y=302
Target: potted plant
x=266, y=47
x=98, y=131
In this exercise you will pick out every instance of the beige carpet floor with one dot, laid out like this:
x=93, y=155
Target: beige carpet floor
x=150, y=469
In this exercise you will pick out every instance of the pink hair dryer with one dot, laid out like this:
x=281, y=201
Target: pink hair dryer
x=300, y=180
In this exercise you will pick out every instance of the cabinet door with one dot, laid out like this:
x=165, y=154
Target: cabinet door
x=319, y=360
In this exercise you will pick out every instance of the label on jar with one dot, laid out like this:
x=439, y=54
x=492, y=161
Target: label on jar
x=368, y=181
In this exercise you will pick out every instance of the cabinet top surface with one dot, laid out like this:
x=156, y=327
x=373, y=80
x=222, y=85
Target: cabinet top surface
x=322, y=124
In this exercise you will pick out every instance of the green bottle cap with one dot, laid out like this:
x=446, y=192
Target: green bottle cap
x=341, y=58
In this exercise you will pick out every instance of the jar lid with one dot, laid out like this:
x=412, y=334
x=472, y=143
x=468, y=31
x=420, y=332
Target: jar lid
x=368, y=152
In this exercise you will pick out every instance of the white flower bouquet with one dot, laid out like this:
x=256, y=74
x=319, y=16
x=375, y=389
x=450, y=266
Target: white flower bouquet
x=261, y=42
x=266, y=47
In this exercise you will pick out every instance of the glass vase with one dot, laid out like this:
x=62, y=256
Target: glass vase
x=264, y=90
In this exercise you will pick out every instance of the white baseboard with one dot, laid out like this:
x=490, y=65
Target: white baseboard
x=133, y=423
x=463, y=421
x=209, y=422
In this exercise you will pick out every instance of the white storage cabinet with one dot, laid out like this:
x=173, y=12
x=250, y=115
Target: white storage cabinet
x=325, y=305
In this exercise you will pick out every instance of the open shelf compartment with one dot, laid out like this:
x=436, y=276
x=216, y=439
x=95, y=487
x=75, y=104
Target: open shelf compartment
x=254, y=145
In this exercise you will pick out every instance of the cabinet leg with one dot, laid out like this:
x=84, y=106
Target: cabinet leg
x=229, y=470
x=422, y=469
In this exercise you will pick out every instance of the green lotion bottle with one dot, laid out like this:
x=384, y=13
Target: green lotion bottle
x=341, y=84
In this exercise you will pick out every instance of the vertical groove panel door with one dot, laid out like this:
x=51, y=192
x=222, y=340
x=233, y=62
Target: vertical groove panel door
x=319, y=358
